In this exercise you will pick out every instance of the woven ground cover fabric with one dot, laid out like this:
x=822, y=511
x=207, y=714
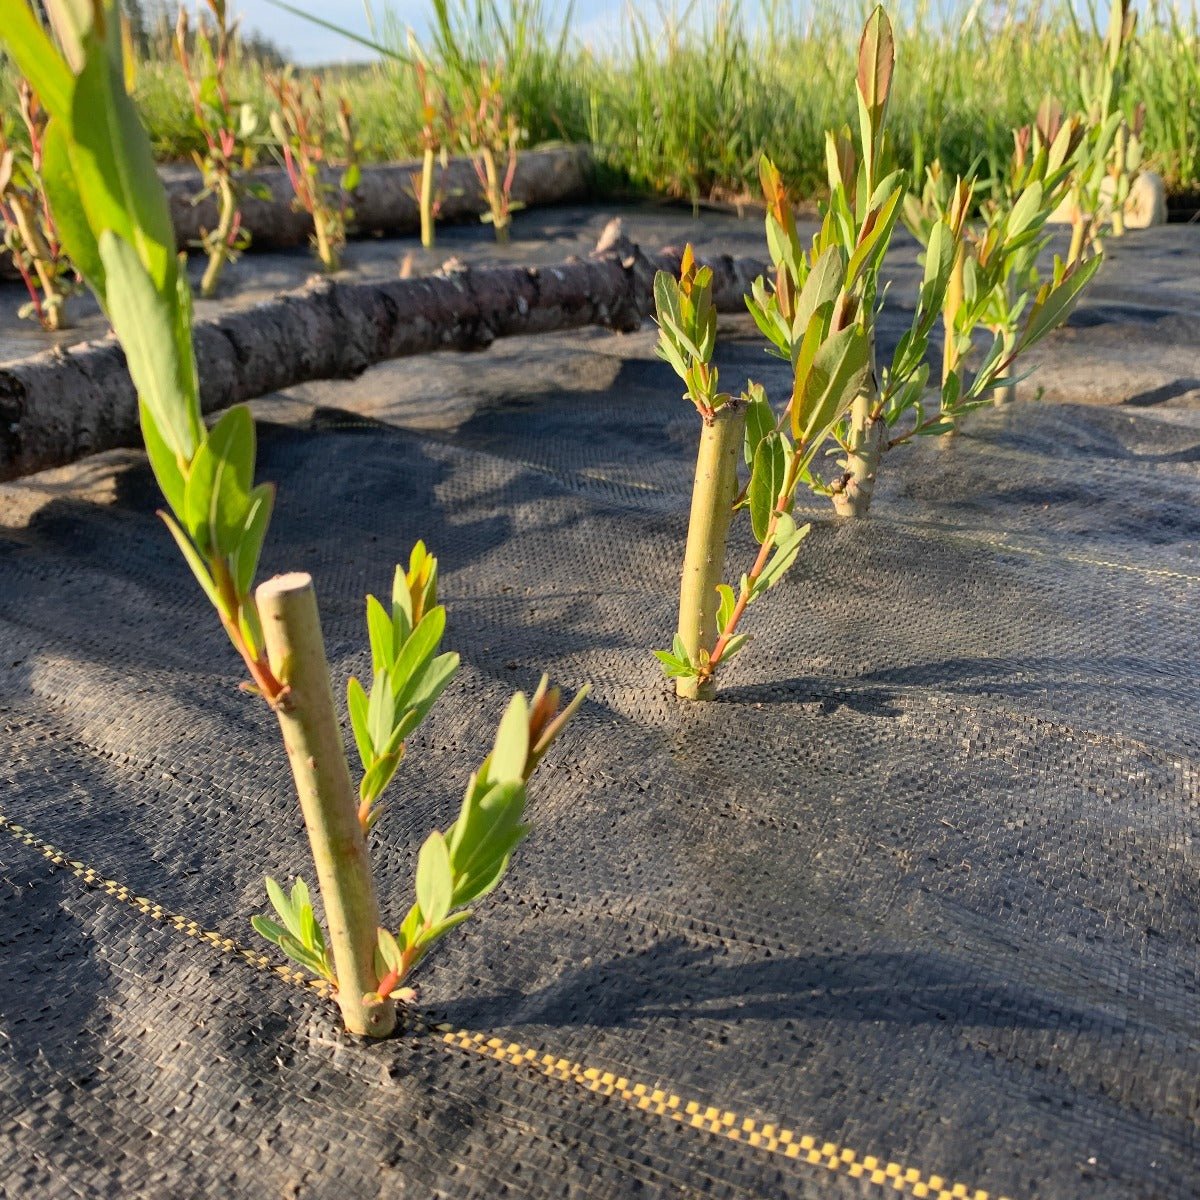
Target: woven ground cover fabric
x=919, y=891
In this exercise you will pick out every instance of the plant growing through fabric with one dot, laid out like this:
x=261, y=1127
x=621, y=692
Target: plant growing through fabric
x=895, y=403
x=115, y=223
x=995, y=273
x=30, y=233
x=491, y=135
x=1110, y=154
x=302, y=131
x=435, y=127
x=228, y=127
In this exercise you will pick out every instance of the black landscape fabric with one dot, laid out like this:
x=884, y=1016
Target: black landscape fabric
x=913, y=905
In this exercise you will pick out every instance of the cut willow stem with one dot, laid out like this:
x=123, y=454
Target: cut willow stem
x=291, y=625
x=713, y=494
x=868, y=437
x=426, y=199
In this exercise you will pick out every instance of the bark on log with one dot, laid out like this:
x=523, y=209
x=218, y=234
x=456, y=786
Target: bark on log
x=385, y=199
x=58, y=406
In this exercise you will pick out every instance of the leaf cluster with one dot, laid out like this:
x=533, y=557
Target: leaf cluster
x=687, y=331
x=408, y=675
x=300, y=937
x=461, y=865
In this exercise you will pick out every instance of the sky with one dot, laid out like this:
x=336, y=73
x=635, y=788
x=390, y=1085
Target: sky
x=308, y=44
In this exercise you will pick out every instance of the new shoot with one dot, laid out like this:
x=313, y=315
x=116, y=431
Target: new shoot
x=115, y=223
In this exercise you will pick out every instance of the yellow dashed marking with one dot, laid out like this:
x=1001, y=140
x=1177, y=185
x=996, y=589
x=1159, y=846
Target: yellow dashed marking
x=690, y=1114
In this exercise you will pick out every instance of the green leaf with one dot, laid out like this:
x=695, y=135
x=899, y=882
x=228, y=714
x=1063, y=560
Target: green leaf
x=268, y=929
x=402, y=611
x=760, y=419
x=283, y=906
x=489, y=812
x=351, y=177
x=429, y=936
x=163, y=461
x=727, y=605
x=194, y=561
x=37, y=58
x=821, y=288
x=434, y=680
x=143, y=322
x=231, y=447
x=1025, y=211
x=389, y=950
x=674, y=668
x=76, y=235
x=876, y=235
x=734, y=644
x=115, y=171
x=766, y=482
x=839, y=370
x=506, y=764
x=381, y=711
x=357, y=703
x=1055, y=303
x=435, y=881
x=410, y=663
x=381, y=634
x=787, y=546
x=666, y=297
x=254, y=531
x=378, y=776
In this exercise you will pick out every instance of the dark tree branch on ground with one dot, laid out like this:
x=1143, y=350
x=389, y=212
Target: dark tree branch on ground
x=58, y=406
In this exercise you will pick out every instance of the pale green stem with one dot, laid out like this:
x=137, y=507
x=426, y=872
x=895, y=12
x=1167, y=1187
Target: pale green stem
x=713, y=494
x=292, y=633
x=868, y=438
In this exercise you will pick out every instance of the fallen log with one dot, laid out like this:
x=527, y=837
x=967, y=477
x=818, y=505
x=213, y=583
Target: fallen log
x=59, y=406
x=384, y=201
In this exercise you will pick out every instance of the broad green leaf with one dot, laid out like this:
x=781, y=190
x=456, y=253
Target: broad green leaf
x=380, y=633
x=766, y=482
x=116, y=174
x=435, y=881
x=254, y=531
x=787, y=546
x=877, y=234
x=1025, y=211
x=821, y=288
x=231, y=447
x=76, y=235
x=489, y=812
x=506, y=763
x=357, y=703
x=1056, y=302
x=378, y=776
x=487, y=873
x=666, y=297
x=143, y=322
x=36, y=56
x=760, y=420
x=268, y=929
x=163, y=462
x=839, y=370
x=414, y=656
x=380, y=710
x=433, y=682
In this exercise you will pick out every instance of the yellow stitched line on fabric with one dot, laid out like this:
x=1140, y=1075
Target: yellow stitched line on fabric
x=691, y=1114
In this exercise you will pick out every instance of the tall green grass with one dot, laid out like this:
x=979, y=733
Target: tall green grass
x=685, y=98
